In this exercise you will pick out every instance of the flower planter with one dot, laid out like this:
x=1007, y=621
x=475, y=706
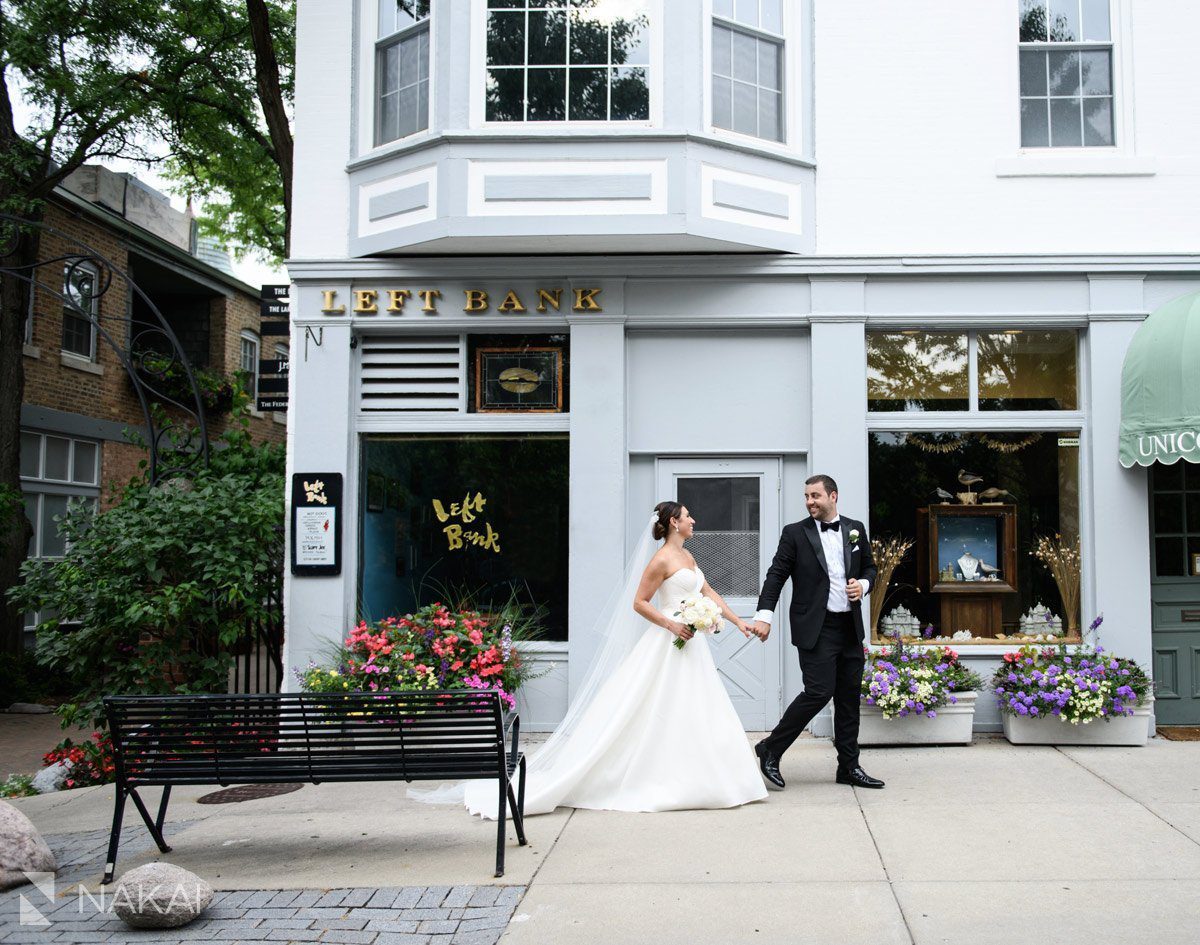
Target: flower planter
x=1128, y=730
x=950, y=726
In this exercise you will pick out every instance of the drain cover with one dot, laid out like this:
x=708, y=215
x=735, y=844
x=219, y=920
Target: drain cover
x=247, y=792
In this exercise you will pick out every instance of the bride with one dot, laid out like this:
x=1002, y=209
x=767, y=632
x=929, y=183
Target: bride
x=651, y=727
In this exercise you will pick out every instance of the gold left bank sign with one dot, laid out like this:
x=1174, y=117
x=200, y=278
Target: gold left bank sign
x=475, y=301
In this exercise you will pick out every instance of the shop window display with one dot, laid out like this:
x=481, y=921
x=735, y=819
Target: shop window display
x=482, y=513
x=985, y=526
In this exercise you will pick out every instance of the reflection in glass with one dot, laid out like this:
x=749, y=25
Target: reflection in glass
x=58, y=451
x=1028, y=370
x=1035, y=123
x=1096, y=27
x=53, y=544
x=1097, y=121
x=916, y=371
x=1066, y=130
x=1064, y=73
x=1063, y=18
x=403, y=79
x=84, y=465
x=726, y=542
x=1033, y=72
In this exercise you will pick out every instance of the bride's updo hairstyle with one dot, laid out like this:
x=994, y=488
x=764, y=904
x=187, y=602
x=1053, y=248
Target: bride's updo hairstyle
x=666, y=511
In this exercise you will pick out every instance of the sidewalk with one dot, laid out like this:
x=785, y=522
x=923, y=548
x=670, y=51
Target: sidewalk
x=980, y=844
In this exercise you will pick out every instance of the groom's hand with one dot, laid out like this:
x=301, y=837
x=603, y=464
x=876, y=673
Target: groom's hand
x=854, y=590
x=762, y=629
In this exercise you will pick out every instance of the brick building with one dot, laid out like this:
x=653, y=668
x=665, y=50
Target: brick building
x=79, y=401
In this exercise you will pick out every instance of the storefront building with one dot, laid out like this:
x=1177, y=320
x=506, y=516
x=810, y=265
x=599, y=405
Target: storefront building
x=555, y=262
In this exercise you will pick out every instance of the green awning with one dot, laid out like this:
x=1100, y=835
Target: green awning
x=1160, y=387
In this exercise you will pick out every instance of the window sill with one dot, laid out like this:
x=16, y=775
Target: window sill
x=76, y=363
x=551, y=648
x=30, y=351
x=1074, y=163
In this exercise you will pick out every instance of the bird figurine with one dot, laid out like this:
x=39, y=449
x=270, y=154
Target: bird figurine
x=993, y=494
x=987, y=568
x=942, y=495
x=968, y=479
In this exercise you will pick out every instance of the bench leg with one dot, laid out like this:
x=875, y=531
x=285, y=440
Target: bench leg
x=162, y=807
x=500, y=825
x=151, y=826
x=519, y=816
x=114, y=838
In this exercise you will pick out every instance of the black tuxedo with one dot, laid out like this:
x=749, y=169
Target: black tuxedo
x=829, y=643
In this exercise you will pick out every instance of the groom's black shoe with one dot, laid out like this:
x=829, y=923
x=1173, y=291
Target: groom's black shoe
x=768, y=764
x=858, y=778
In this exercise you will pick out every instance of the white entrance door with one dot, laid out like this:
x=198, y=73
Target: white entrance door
x=735, y=503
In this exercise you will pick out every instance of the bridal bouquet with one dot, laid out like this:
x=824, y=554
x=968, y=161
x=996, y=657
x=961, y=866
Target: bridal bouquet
x=701, y=615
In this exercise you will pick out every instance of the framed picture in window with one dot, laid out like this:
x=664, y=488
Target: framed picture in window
x=1195, y=562
x=970, y=548
x=376, y=492
x=519, y=380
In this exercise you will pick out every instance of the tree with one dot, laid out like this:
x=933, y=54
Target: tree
x=100, y=77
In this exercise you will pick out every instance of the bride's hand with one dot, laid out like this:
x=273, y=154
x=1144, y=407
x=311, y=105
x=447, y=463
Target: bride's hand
x=680, y=630
x=744, y=628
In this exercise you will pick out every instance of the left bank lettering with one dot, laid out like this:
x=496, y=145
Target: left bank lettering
x=475, y=301
x=466, y=512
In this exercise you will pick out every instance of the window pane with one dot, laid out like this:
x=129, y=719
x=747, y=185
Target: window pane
x=58, y=455
x=772, y=16
x=77, y=335
x=631, y=41
x=722, y=41
x=1193, y=511
x=1097, y=122
x=589, y=39
x=769, y=124
x=399, y=14
x=84, y=466
x=917, y=371
x=1064, y=21
x=745, y=108
x=32, y=514
x=1096, y=70
x=1065, y=128
x=1168, y=513
x=505, y=95
x=390, y=72
x=418, y=544
x=723, y=8
x=506, y=39
x=1095, y=21
x=423, y=105
x=589, y=95
x=52, y=543
x=722, y=106
x=1035, y=123
x=1169, y=558
x=1167, y=477
x=547, y=38
x=1064, y=73
x=547, y=94
x=1027, y=370
x=389, y=119
x=745, y=58
x=1033, y=72
x=31, y=455
x=726, y=541
x=768, y=65
x=409, y=62
x=1033, y=21
x=746, y=11
x=408, y=110
x=630, y=94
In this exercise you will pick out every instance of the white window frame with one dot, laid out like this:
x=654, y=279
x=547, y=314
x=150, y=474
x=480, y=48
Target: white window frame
x=365, y=81
x=95, y=306
x=252, y=337
x=792, y=66
x=378, y=45
x=478, y=78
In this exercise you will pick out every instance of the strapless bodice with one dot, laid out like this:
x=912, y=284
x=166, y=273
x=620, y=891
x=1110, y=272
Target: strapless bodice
x=686, y=582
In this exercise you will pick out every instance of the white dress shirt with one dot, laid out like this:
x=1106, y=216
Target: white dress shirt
x=835, y=566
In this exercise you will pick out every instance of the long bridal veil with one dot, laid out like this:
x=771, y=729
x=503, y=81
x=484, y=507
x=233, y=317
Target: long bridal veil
x=618, y=626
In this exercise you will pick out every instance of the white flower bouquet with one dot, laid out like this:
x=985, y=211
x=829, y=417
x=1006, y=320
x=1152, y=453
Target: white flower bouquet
x=701, y=615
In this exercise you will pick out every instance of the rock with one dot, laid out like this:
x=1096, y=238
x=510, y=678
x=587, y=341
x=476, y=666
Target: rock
x=29, y=708
x=160, y=896
x=51, y=777
x=22, y=849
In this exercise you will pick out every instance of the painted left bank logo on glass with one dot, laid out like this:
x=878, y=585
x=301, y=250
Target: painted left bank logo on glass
x=466, y=511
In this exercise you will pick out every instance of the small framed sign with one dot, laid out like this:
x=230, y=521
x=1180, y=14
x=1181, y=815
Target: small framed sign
x=519, y=380
x=1195, y=561
x=316, y=524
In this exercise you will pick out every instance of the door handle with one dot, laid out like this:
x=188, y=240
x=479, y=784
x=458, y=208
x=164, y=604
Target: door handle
x=1190, y=616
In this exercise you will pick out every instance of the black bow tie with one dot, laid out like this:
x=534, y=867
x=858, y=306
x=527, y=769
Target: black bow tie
x=830, y=526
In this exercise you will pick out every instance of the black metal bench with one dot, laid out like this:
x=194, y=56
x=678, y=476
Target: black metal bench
x=436, y=735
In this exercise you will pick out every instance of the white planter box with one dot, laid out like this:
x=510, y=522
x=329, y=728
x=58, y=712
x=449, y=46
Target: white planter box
x=950, y=726
x=1123, y=730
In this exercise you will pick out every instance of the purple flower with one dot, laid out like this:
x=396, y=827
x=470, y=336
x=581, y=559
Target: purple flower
x=1095, y=624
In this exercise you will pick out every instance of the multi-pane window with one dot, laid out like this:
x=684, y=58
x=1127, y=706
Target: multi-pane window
x=748, y=67
x=55, y=470
x=402, y=69
x=1066, y=74
x=248, y=361
x=79, y=333
x=568, y=60
x=1176, y=490
x=1013, y=369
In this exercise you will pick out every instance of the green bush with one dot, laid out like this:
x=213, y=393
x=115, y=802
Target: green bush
x=158, y=588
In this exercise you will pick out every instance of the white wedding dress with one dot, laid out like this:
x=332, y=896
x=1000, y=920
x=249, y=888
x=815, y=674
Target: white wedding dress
x=659, y=733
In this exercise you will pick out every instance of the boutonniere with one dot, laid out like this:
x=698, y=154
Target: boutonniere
x=854, y=536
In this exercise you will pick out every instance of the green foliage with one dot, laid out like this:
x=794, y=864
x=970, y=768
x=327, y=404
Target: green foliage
x=23, y=679
x=17, y=785
x=11, y=503
x=159, y=587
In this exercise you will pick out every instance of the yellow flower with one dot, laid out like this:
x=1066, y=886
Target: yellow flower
x=334, y=672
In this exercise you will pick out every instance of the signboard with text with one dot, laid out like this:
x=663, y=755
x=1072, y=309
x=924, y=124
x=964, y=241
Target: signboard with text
x=316, y=524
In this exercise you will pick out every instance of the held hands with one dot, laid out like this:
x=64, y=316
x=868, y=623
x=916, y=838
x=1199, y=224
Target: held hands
x=746, y=630
x=761, y=629
x=854, y=590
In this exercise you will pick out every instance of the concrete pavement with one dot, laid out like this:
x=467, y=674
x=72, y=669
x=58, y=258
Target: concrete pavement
x=986, y=843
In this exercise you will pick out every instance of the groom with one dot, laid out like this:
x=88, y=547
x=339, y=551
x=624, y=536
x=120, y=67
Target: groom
x=829, y=561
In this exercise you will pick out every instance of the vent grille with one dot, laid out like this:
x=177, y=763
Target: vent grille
x=411, y=374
